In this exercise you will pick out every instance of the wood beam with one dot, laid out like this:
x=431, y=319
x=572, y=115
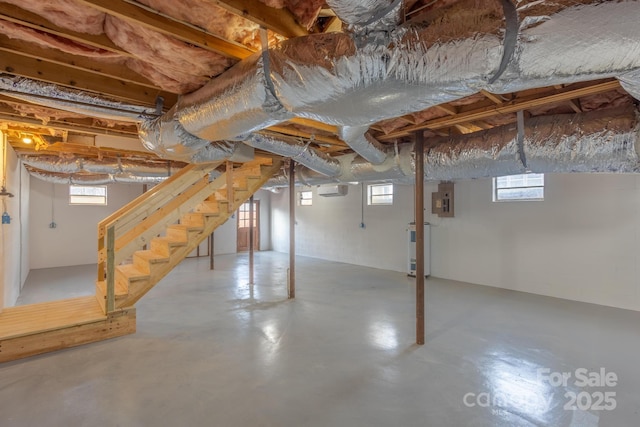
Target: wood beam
x=563, y=95
x=301, y=134
x=69, y=126
x=153, y=20
x=314, y=124
x=280, y=21
x=446, y=108
x=55, y=56
x=88, y=151
x=25, y=66
x=333, y=26
x=28, y=19
x=497, y=99
x=575, y=105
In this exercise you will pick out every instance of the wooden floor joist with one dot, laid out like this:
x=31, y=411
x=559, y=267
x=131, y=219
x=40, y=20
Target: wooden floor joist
x=39, y=328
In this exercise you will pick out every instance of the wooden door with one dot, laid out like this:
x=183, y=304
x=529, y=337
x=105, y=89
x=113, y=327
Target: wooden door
x=243, y=226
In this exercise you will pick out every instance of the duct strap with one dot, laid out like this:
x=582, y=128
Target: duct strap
x=304, y=150
x=510, y=37
x=266, y=63
x=381, y=13
x=520, y=138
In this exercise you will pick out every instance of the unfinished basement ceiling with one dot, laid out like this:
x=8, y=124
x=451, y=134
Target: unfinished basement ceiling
x=322, y=80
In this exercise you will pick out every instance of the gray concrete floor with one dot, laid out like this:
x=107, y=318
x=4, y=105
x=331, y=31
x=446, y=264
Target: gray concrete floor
x=213, y=351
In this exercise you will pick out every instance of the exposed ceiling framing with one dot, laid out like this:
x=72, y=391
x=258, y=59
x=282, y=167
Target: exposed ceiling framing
x=113, y=80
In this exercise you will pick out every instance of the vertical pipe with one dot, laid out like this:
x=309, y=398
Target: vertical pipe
x=292, y=230
x=419, y=151
x=211, y=264
x=251, y=230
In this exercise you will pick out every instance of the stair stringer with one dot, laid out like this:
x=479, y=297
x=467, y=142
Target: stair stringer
x=211, y=221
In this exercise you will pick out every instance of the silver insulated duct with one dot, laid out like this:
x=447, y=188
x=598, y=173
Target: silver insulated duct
x=55, y=164
x=599, y=141
x=331, y=79
x=75, y=101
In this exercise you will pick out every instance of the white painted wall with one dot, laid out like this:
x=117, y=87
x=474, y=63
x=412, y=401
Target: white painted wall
x=330, y=228
x=582, y=243
x=74, y=240
x=14, y=259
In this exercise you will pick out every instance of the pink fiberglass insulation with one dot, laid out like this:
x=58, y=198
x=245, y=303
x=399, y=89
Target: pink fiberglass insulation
x=174, y=83
x=181, y=62
x=305, y=11
x=46, y=40
x=210, y=17
x=68, y=14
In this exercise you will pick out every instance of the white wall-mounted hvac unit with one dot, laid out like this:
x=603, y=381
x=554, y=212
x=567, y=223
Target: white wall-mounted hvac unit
x=333, y=190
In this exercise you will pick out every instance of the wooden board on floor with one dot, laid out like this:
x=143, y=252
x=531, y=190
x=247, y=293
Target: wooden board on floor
x=39, y=328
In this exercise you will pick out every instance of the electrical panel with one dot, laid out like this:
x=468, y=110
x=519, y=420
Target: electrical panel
x=442, y=201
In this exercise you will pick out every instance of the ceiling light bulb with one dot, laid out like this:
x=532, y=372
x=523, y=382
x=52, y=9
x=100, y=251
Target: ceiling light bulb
x=27, y=140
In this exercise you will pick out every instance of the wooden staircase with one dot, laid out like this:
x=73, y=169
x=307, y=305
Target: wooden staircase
x=141, y=243
x=137, y=246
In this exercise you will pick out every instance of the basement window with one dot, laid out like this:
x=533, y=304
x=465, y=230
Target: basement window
x=88, y=195
x=380, y=194
x=305, y=198
x=518, y=187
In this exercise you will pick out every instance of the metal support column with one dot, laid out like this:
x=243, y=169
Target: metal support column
x=211, y=263
x=251, y=230
x=292, y=230
x=419, y=152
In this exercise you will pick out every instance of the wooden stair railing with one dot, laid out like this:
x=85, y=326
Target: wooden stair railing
x=170, y=220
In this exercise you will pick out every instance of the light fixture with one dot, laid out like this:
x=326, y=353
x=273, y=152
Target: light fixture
x=27, y=139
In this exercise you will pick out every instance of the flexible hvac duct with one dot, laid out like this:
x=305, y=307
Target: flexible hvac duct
x=238, y=103
x=325, y=77
x=301, y=153
x=75, y=101
x=166, y=137
x=582, y=43
x=631, y=83
x=598, y=141
x=93, y=179
x=358, y=138
x=57, y=164
x=363, y=12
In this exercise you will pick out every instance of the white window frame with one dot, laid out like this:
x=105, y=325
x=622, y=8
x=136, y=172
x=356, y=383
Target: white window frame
x=371, y=198
x=87, y=199
x=524, y=187
x=305, y=198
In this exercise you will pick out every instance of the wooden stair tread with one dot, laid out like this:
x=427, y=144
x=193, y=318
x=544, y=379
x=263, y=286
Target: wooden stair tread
x=47, y=316
x=131, y=272
x=186, y=227
x=151, y=256
x=169, y=241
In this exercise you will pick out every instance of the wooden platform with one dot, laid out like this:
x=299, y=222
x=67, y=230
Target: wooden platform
x=38, y=328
